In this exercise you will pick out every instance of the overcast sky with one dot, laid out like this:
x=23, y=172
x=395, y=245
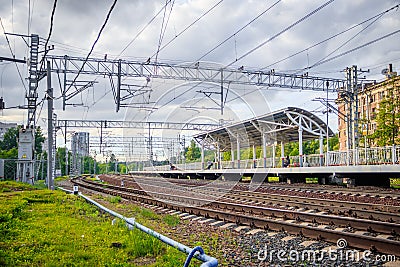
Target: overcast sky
x=77, y=23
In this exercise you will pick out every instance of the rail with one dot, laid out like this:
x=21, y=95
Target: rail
x=196, y=252
x=358, y=156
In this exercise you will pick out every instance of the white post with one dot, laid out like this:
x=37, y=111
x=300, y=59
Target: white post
x=394, y=154
x=219, y=157
x=202, y=154
x=321, y=151
x=254, y=157
x=282, y=154
x=238, y=151
x=264, y=144
x=232, y=156
x=300, y=146
x=273, y=155
x=50, y=178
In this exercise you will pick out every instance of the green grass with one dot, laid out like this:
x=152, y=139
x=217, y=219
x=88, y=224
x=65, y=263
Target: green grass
x=311, y=180
x=9, y=186
x=395, y=183
x=273, y=179
x=115, y=199
x=51, y=228
x=171, y=220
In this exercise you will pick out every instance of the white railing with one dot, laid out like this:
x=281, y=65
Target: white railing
x=359, y=156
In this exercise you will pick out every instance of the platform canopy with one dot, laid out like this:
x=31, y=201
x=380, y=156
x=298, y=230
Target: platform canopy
x=283, y=125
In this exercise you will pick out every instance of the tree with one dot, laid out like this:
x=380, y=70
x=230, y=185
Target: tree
x=193, y=152
x=10, y=141
x=388, y=119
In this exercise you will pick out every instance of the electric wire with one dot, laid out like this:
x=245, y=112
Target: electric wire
x=345, y=43
x=189, y=26
x=12, y=53
x=41, y=107
x=51, y=27
x=94, y=44
x=281, y=32
x=357, y=48
x=163, y=27
x=142, y=30
x=330, y=38
x=242, y=28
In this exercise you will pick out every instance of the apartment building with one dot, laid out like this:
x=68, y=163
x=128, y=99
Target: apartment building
x=370, y=97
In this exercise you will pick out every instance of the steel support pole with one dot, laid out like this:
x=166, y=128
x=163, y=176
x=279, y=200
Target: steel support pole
x=50, y=181
x=254, y=157
x=301, y=145
x=282, y=154
x=238, y=151
x=66, y=160
x=264, y=144
x=273, y=155
x=321, y=151
x=202, y=154
x=232, y=156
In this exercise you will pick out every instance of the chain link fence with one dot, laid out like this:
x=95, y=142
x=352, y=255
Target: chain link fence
x=8, y=169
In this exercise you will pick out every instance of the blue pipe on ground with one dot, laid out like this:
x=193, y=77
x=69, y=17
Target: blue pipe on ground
x=207, y=260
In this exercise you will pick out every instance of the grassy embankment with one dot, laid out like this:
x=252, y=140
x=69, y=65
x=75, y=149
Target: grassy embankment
x=51, y=228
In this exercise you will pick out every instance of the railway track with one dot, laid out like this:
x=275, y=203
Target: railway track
x=319, y=226
x=312, y=205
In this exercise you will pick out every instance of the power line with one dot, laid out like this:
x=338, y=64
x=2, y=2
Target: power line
x=51, y=27
x=164, y=28
x=12, y=53
x=48, y=37
x=142, y=30
x=189, y=26
x=357, y=48
x=331, y=37
x=345, y=43
x=281, y=32
x=95, y=42
x=234, y=34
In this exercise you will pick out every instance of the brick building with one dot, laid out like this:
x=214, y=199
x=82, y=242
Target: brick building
x=369, y=99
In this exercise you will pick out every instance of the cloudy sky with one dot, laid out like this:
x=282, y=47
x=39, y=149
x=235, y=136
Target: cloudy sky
x=137, y=28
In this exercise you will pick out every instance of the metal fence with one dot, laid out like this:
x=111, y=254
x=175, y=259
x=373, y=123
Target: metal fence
x=359, y=156
x=8, y=169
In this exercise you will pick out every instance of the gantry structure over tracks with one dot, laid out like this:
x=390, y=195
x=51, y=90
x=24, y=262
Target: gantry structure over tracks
x=116, y=70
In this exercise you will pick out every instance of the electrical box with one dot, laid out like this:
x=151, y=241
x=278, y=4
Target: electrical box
x=25, y=144
x=25, y=163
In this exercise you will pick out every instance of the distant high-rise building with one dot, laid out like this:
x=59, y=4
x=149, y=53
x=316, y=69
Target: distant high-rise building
x=80, y=143
x=79, y=149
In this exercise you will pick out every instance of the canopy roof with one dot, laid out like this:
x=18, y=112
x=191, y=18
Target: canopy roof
x=282, y=125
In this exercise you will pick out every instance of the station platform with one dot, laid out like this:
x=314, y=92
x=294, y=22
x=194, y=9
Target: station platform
x=378, y=175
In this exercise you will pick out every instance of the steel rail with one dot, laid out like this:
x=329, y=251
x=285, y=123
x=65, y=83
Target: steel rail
x=361, y=224
x=291, y=226
x=355, y=209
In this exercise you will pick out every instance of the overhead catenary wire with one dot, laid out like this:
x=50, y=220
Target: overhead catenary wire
x=358, y=47
x=330, y=38
x=262, y=44
x=94, y=44
x=242, y=28
x=281, y=32
x=189, y=26
x=13, y=55
x=345, y=43
x=143, y=29
x=164, y=27
x=51, y=27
